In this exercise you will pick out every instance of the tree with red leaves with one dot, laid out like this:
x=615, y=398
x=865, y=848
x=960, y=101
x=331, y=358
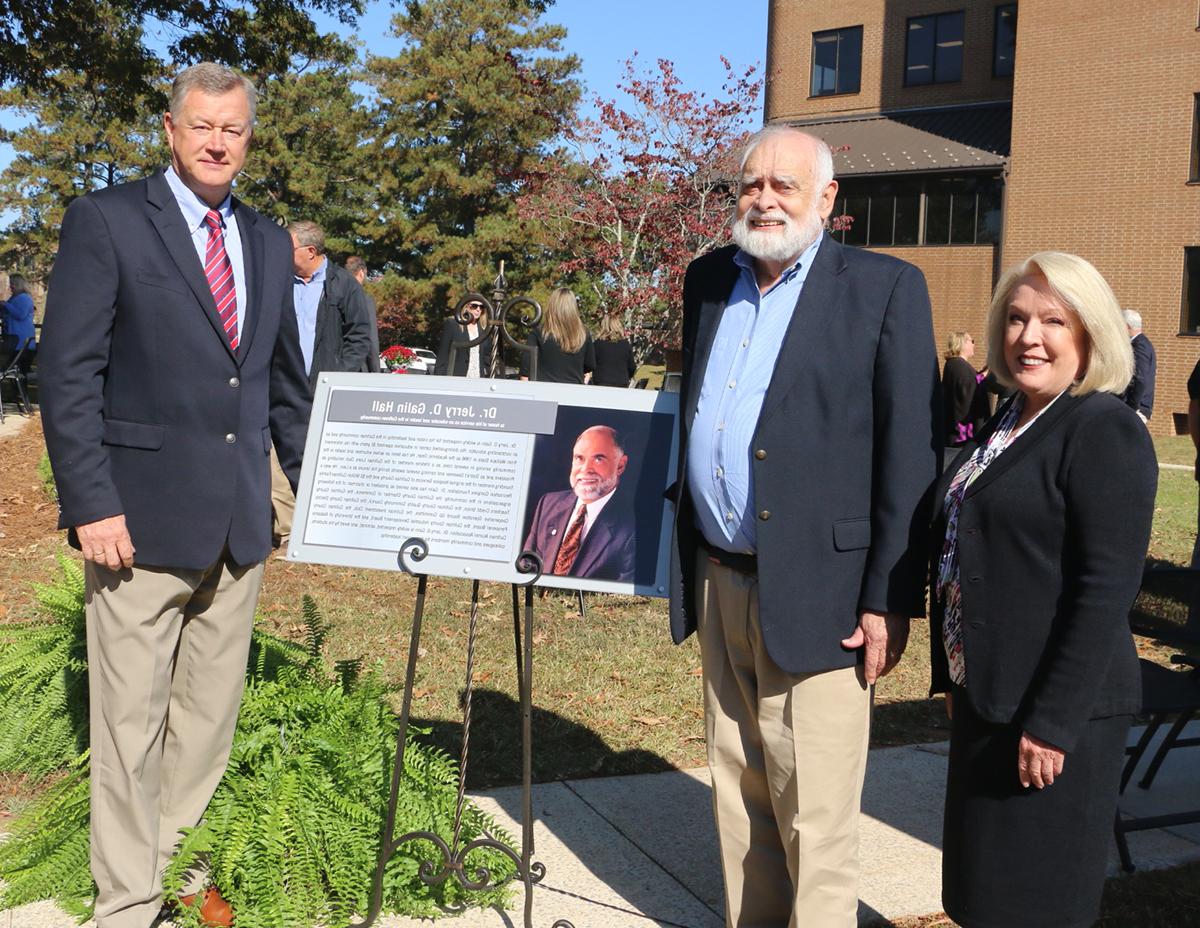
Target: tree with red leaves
x=639, y=192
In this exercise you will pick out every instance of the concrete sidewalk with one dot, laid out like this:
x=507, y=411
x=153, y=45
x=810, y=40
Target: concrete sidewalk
x=640, y=851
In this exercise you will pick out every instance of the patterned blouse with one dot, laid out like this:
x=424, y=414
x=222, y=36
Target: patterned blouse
x=949, y=589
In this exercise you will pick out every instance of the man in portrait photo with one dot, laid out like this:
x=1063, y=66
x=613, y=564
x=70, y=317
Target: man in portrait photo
x=170, y=362
x=588, y=530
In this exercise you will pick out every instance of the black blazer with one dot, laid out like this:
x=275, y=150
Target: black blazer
x=147, y=410
x=1052, y=543
x=964, y=399
x=343, y=331
x=1139, y=395
x=555, y=365
x=455, y=334
x=846, y=450
x=615, y=366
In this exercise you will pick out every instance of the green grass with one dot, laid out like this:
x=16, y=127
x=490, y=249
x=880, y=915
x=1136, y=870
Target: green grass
x=1175, y=449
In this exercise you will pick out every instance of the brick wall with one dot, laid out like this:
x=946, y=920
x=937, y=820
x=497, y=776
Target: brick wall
x=960, y=288
x=1102, y=128
x=791, y=24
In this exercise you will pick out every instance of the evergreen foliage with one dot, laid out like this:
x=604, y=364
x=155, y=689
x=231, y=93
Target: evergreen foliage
x=292, y=833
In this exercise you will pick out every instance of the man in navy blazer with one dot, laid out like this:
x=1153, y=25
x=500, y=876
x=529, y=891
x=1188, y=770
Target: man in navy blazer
x=601, y=546
x=170, y=361
x=810, y=436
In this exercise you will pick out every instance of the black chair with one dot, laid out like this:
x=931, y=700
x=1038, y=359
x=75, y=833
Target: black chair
x=1167, y=696
x=14, y=369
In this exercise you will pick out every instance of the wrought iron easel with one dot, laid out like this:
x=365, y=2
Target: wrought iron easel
x=412, y=552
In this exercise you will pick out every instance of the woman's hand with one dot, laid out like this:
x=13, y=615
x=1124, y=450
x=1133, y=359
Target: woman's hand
x=1038, y=761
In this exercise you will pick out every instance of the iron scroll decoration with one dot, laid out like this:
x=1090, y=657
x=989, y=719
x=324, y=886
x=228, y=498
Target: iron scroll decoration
x=498, y=312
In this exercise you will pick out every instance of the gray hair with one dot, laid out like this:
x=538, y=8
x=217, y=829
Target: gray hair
x=822, y=165
x=17, y=284
x=213, y=79
x=307, y=232
x=1133, y=318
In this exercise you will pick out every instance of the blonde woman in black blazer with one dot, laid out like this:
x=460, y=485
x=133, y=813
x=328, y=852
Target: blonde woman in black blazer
x=1044, y=522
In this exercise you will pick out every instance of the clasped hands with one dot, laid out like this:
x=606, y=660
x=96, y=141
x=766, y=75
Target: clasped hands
x=106, y=542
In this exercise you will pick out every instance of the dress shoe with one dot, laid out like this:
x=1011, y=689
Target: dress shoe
x=215, y=912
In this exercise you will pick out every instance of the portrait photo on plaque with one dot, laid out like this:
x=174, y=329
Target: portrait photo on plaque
x=595, y=506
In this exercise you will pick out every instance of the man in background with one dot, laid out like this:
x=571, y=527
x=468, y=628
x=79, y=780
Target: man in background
x=358, y=270
x=334, y=323
x=1139, y=395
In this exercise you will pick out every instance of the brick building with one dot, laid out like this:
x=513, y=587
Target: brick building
x=976, y=132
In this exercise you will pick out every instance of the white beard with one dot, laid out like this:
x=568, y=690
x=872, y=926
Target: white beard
x=773, y=246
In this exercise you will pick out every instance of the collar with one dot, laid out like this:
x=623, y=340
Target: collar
x=317, y=277
x=804, y=260
x=194, y=209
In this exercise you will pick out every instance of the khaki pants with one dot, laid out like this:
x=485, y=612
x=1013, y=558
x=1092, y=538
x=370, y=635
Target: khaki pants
x=167, y=653
x=283, y=504
x=787, y=755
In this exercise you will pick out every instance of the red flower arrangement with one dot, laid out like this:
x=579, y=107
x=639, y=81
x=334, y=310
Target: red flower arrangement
x=395, y=360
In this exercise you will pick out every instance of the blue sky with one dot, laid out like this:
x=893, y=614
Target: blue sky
x=603, y=33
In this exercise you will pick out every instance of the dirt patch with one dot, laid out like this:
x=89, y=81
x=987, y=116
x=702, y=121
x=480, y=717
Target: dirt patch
x=28, y=519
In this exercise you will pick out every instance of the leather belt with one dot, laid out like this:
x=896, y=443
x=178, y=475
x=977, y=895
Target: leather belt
x=743, y=563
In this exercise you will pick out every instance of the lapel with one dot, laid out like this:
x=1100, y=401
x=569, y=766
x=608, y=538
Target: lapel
x=167, y=219
x=597, y=541
x=1020, y=448
x=253, y=257
x=815, y=307
x=322, y=307
x=720, y=285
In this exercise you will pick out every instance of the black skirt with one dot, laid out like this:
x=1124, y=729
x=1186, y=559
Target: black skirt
x=1027, y=858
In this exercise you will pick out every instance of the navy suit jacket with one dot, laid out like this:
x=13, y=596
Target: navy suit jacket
x=846, y=449
x=1139, y=395
x=146, y=408
x=608, y=550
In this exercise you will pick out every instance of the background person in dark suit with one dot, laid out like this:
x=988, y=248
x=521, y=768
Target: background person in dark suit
x=811, y=432
x=1041, y=542
x=615, y=365
x=163, y=387
x=358, y=270
x=1139, y=395
x=964, y=400
x=588, y=530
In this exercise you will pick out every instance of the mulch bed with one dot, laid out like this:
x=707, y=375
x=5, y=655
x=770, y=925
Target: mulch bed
x=28, y=519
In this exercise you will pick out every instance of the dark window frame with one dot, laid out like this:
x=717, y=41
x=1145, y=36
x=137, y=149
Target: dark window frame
x=1189, y=298
x=837, y=71
x=1194, y=166
x=1000, y=11
x=866, y=191
x=935, y=19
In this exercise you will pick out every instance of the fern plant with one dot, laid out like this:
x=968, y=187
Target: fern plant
x=291, y=834
x=43, y=681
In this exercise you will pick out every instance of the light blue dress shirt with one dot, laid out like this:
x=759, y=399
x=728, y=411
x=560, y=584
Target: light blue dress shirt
x=739, y=370
x=306, y=298
x=194, y=210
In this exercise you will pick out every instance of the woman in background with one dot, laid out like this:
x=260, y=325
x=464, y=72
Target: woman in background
x=565, y=353
x=17, y=313
x=1044, y=522
x=965, y=404
x=614, y=355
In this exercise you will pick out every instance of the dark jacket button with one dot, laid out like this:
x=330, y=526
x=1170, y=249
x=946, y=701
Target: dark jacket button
x=764, y=515
x=760, y=454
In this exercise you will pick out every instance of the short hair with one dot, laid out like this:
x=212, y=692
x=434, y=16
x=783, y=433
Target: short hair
x=307, y=232
x=822, y=163
x=213, y=79
x=1108, y=367
x=954, y=344
x=354, y=264
x=615, y=436
x=1133, y=318
x=17, y=284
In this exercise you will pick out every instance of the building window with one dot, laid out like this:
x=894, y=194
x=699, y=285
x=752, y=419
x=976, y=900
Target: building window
x=1190, y=323
x=837, y=61
x=1004, y=48
x=934, y=54
x=1194, y=172
x=947, y=210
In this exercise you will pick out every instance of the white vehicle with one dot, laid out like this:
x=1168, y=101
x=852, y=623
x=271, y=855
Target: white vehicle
x=424, y=362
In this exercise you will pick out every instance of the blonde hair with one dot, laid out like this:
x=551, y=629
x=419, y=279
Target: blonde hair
x=954, y=344
x=1108, y=366
x=611, y=329
x=561, y=321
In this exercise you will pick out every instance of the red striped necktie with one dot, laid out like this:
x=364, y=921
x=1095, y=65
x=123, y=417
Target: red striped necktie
x=219, y=272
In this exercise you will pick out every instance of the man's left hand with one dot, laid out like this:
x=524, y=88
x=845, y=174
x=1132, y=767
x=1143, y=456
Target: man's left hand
x=883, y=636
